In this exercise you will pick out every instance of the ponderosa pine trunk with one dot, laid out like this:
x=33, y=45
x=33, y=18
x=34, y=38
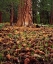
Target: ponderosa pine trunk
x=25, y=13
x=11, y=14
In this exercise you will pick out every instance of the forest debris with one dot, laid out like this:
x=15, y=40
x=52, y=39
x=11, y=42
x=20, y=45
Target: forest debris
x=51, y=51
x=1, y=34
x=18, y=42
x=8, y=56
x=51, y=38
x=51, y=55
x=37, y=55
x=24, y=45
x=5, y=29
x=26, y=61
x=27, y=48
x=49, y=48
x=0, y=39
x=39, y=52
x=24, y=42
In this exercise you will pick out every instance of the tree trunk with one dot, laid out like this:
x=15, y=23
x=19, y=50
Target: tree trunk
x=44, y=17
x=11, y=14
x=25, y=13
x=35, y=9
x=51, y=18
x=51, y=13
x=0, y=16
x=19, y=18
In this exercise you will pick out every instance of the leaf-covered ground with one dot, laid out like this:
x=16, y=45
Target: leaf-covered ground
x=26, y=45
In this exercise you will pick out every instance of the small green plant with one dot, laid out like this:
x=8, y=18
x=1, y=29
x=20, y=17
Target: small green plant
x=1, y=26
x=52, y=46
x=1, y=57
x=16, y=36
x=10, y=35
x=32, y=53
x=33, y=32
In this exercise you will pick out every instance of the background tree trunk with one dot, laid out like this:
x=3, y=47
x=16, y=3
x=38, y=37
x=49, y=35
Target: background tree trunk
x=51, y=17
x=20, y=14
x=44, y=17
x=0, y=16
x=25, y=13
x=11, y=14
x=35, y=9
x=51, y=13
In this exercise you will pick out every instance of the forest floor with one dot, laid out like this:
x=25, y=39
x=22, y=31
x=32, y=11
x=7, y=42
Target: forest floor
x=26, y=45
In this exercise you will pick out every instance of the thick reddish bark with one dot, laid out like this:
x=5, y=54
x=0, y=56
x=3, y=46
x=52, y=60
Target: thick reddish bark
x=0, y=16
x=25, y=13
